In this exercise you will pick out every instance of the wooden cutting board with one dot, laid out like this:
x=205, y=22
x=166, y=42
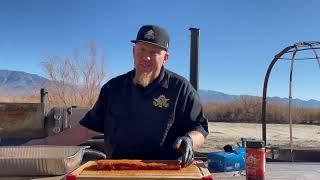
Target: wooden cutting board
x=191, y=172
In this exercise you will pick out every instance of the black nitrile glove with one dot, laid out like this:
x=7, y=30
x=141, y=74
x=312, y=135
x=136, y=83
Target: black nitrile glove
x=184, y=145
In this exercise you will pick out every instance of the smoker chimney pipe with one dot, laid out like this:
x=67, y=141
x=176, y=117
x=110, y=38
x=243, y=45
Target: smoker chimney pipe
x=43, y=93
x=194, y=57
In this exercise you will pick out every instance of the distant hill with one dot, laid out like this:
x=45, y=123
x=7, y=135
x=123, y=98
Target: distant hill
x=209, y=95
x=18, y=82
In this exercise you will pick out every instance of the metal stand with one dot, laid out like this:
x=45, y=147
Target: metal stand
x=297, y=47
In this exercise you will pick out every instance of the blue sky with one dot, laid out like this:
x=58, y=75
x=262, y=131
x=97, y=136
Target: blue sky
x=238, y=39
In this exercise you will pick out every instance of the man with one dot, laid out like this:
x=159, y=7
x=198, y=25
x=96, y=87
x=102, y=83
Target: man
x=149, y=112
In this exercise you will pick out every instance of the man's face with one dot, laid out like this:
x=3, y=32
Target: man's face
x=148, y=60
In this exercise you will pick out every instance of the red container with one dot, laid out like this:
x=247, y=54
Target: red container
x=255, y=160
x=71, y=177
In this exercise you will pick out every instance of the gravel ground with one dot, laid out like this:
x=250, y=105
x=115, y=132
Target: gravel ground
x=277, y=135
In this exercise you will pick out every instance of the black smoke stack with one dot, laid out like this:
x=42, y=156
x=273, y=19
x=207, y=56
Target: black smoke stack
x=43, y=93
x=194, y=57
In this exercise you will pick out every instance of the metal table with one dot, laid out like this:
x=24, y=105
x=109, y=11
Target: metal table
x=274, y=170
x=280, y=170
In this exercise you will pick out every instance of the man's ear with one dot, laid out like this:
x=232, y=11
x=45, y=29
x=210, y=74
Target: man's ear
x=133, y=47
x=166, y=58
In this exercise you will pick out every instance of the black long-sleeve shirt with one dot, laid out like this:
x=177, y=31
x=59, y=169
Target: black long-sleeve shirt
x=143, y=123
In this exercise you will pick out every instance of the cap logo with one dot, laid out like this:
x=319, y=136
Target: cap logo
x=161, y=102
x=149, y=34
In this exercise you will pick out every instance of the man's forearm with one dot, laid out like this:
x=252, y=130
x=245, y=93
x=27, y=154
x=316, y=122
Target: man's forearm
x=197, y=138
x=73, y=136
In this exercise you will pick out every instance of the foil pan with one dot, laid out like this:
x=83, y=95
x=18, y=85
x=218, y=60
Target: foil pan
x=39, y=160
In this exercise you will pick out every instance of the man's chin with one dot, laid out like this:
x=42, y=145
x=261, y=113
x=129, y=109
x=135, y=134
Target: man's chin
x=143, y=79
x=145, y=71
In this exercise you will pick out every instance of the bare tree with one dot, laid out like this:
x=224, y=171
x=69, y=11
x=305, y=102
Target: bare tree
x=76, y=80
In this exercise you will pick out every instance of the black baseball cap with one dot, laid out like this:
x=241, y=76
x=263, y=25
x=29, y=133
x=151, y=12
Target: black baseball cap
x=153, y=34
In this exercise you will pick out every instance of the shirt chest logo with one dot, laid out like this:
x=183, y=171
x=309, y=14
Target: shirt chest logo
x=161, y=102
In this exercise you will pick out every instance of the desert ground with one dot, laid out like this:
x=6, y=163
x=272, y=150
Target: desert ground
x=304, y=136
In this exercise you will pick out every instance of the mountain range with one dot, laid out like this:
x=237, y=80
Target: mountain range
x=19, y=83
x=215, y=96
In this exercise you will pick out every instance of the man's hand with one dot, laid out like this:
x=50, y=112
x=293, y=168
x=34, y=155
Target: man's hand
x=184, y=145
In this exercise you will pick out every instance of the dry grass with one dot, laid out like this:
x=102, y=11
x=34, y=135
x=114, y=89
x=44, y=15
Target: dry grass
x=248, y=110
x=30, y=98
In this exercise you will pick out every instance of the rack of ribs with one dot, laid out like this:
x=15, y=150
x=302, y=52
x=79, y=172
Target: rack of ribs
x=136, y=165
